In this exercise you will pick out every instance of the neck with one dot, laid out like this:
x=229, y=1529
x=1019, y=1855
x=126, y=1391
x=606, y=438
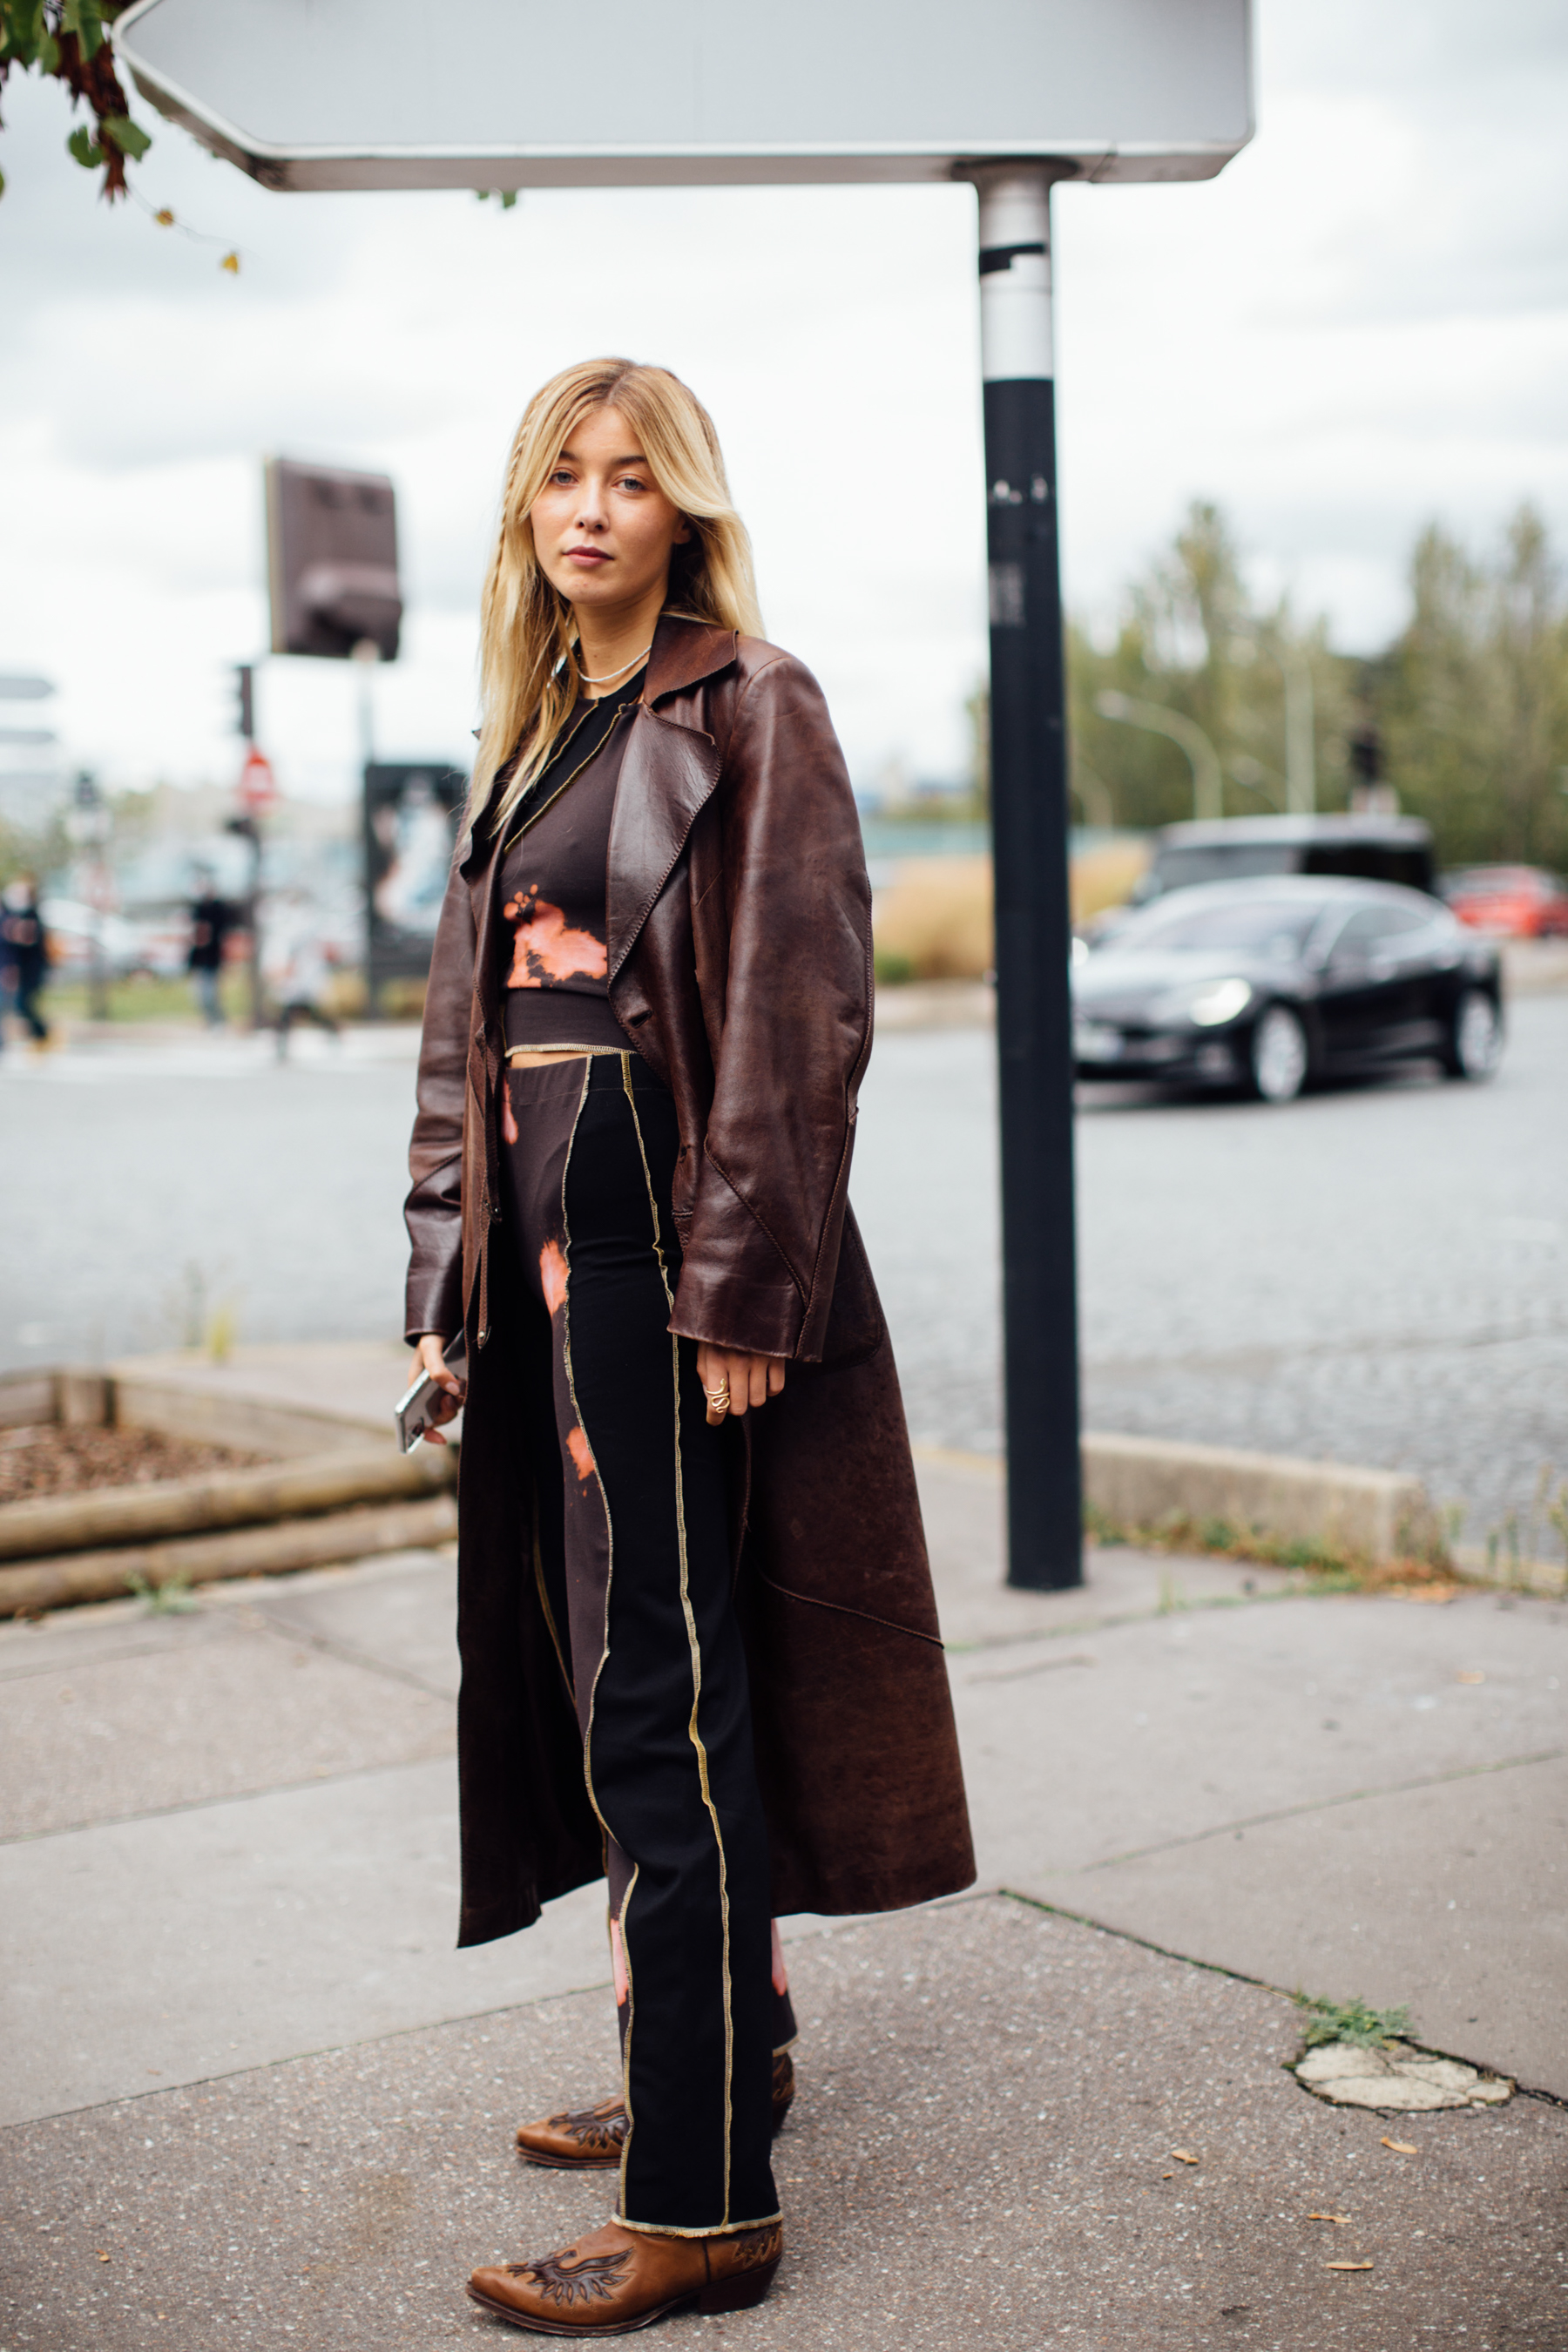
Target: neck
x=610, y=642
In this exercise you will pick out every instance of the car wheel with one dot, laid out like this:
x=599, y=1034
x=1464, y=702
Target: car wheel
x=1280, y=1059
x=1474, y=1046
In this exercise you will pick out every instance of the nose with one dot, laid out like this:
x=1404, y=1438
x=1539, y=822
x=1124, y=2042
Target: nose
x=591, y=507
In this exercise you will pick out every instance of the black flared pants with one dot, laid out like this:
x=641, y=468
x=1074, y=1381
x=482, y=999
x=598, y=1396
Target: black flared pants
x=635, y=1571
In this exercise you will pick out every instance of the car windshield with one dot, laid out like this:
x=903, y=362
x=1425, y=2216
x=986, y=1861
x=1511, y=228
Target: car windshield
x=1265, y=926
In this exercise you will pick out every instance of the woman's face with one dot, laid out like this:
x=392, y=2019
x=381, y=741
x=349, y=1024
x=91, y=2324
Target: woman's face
x=603, y=530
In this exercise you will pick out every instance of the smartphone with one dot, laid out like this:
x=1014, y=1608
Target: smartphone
x=414, y=1412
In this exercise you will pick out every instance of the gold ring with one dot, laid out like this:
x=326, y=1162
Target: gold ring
x=718, y=1398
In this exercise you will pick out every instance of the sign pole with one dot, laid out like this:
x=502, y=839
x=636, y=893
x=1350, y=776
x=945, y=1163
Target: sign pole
x=1029, y=832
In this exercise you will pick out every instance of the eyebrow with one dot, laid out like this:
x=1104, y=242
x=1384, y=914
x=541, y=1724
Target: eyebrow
x=636, y=459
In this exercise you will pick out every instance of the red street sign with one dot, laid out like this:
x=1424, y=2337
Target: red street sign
x=258, y=786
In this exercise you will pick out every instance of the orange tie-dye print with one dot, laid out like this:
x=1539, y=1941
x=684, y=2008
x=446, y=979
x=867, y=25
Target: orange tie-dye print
x=578, y=1448
x=553, y=1275
x=547, y=952
x=508, y=1116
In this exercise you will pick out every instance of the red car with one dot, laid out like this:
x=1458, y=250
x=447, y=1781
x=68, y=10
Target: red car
x=1513, y=902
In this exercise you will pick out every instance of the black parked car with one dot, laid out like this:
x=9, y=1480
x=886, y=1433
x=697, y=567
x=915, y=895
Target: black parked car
x=1270, y=984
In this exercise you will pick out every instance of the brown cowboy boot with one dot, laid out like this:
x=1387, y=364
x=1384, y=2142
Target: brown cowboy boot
x=614, y=2280
x=590, y=2140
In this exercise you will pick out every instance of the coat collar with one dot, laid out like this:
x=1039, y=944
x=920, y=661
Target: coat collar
x=685, y=653
x=667, y=772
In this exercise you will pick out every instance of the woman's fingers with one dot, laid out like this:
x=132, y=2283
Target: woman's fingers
x=430, y=1356
x=444, y=1408
x=733, y=1381
x=712, y=1370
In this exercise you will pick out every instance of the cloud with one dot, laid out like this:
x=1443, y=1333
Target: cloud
x=1362, y=321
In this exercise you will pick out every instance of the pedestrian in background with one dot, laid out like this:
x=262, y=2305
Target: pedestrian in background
x=649, y=1012
x=297, y=965
x=212, y=919
x=24, y=957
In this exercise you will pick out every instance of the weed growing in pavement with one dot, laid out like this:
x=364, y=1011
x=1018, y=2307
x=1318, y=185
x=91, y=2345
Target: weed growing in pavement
x=1328, y=1563
x=203, y=1321
x=1519, y=1548
x=1352, y=2020
x=1557, y=1513
x=170, y=1599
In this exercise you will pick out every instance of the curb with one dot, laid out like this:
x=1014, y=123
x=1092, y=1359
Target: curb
x=1144, y=1483
x=1373, y=1515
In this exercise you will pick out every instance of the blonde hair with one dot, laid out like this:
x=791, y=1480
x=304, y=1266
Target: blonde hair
x=528, y=671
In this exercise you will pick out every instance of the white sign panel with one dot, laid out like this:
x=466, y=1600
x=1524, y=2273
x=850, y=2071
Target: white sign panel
x=519, y=93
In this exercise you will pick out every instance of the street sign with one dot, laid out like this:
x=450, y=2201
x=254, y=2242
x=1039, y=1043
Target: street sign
x=332, y=561
x=388, y=94
x=258, y=786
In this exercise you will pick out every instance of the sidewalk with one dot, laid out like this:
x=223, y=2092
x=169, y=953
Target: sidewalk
x=244, y=2063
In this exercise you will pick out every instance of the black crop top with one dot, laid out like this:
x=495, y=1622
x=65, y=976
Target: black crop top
x=552, y=881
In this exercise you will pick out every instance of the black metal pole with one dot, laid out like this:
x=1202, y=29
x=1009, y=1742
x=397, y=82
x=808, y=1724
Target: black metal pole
x=1029, y=830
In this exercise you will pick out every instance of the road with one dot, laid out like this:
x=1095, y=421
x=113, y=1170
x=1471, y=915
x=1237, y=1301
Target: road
x=1379, y=1274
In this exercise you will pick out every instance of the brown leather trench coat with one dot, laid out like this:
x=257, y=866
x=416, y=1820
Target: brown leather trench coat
x=740, y=967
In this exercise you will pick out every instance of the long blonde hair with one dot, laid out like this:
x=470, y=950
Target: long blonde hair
x=528, y=670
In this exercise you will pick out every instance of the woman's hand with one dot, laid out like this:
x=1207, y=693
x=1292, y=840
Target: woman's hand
x=431, y=1357
x=751, y=1380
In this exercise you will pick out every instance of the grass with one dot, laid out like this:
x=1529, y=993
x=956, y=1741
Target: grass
x=171, y=1597
x=147, y=997
x=1352, y=2020
x=1332, y=1568
x=892, y=970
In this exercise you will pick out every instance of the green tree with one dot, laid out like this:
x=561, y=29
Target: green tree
x=1191, y=640
x=1472, y=698
x=67, y=41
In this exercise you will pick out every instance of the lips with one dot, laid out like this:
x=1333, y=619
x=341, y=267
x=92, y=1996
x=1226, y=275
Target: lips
x=587, y=556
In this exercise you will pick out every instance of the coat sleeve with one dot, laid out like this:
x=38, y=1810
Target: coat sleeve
x=760, y=1257
x=434, y=1209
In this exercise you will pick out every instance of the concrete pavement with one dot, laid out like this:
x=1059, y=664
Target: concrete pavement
x=227, y=1890
x=980, y=2155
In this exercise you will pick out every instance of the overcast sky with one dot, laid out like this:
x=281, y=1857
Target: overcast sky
x=1362, y=323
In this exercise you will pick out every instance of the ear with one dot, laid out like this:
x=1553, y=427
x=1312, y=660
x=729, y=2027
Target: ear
x=683, y=533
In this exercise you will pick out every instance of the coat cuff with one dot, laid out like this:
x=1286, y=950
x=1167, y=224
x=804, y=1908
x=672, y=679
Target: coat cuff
x=760, y=1318
x=434, y=1298
x=445, y=1322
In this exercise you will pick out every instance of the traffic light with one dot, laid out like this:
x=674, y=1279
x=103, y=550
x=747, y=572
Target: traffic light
x=245, y=701
x=1367, y=755
x=332, y=554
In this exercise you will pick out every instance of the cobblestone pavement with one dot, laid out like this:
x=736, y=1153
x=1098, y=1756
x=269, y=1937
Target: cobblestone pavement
x=1378, y=1274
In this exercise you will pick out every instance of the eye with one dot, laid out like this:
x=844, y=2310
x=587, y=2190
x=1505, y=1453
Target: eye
x=631, y=482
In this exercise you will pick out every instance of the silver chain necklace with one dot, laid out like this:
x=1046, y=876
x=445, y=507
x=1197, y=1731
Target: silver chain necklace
x=610, y=673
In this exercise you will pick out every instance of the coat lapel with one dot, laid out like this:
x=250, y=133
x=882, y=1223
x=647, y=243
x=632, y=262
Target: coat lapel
x=667, y=772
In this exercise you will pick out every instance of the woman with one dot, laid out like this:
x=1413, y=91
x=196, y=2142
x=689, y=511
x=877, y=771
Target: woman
x=699, y=1650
